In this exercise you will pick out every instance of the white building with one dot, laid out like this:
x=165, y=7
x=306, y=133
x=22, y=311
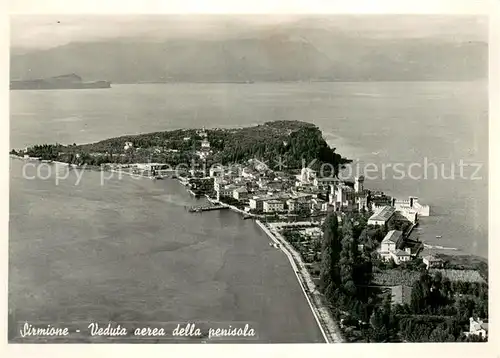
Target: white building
x=342, y=197
x=391, y=242
x=295, y=205
x=219, y=182
x=313, y=232
x=390, y=248
x=128, y=145
x=240, y=193
x=151, y=166
x=205, y=144
x=319, y=204
x=307, y=175
x=401, y=255
x=225, y=191
x=381, y=216
x=412, y=204
x=256, y=203
x=273, y=206
x=359, y=184
x=249, y=172
x=431, y=261
x=477, y=327
x=205, y=149
x=322, y=182
x=361, y=199
x=216, y=171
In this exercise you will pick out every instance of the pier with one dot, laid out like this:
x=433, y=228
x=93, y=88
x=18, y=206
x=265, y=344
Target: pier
x=199, y=209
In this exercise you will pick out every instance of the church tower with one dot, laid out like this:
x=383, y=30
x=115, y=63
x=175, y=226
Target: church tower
x=359, y=184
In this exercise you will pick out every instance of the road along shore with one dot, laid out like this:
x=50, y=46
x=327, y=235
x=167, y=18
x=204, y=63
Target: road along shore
x=327, y=325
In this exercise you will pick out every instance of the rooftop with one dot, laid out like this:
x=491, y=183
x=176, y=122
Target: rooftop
x=241, y=189
x=383, y=214
x=274, y=201
x=401, y=253
x=393, y=236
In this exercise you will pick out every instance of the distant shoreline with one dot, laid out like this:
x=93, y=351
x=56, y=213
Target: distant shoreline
x=302, y=81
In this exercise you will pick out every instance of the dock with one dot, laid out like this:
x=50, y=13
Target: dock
x=199, y=209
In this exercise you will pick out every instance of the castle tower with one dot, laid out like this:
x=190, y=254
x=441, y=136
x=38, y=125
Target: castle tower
x=359, y=184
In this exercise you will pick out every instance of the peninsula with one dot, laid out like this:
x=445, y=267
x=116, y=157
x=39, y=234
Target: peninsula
x=69, y=81
x=354, y=251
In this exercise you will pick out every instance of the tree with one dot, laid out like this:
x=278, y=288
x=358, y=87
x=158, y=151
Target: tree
x=378, y=327
x=329, y=273
x=348, y=252
x=420, y=294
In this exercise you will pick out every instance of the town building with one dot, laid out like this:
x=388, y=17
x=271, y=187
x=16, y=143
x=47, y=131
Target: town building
x=296, y=204
x=256, y=203
x=342, y=197
x=381, y=216
x=219, y=182
x=205, y=148
x=307, y=176
x=240, y=193
x=432, y=262
x=361, y=199
x=379, y=199
x=250, y=172
x=313, y=232
x=202, y=133
x=477, y=327
x=401, y=255
x=216, y=171
x=324, y=181
x=151, y=167
x=391, y=243
x=128, y=145
x=412, y=204
x=319, y=204
x=225, y=191
x=273, y=206
x=359, y=184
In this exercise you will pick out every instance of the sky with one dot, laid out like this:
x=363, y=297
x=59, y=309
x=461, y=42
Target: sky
x=44, y=31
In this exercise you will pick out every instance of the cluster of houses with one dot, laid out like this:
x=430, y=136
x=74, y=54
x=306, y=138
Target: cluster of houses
x=394, y=247
x=410, y=209
x=265, y=191
x=262, y=190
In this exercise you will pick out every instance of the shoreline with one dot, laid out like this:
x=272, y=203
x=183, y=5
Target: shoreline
x=327, y=325
x=455, y=251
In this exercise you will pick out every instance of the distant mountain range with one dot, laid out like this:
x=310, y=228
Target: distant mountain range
x=293, y=55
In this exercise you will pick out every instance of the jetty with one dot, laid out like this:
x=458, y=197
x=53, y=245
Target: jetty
x=199, y=209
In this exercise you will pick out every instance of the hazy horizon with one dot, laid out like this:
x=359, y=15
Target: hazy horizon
x=37, y=32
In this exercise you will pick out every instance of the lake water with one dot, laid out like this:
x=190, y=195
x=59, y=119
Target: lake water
x=128, y=249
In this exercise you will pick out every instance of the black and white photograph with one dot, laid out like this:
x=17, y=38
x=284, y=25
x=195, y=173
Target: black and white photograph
x=248, y=178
